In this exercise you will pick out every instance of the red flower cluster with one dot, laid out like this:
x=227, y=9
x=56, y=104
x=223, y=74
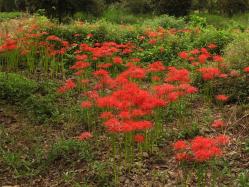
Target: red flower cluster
x=8, y=45
x=209, y=73
x=139, y=138
x=222, y=98
x=200, y=149
x=84, y=136
x=246, y=69
x=218, y=124
x=69, y=85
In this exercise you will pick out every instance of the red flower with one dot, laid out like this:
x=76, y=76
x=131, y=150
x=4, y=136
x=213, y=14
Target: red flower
x=153, y=41
x=117, y=60
x=209, y=73
x=218, y=124
x=218, y=58
x=181, y=75
x=139, y=138
x=86, y=104
x=182, y=156
x=246, y=69
x=234, y=73
x=183, y=55
x=84, y=136
x=80, y=65
x=156, y=67
x=222, y=140
x=222, y=97
x=69, y=85
x=54, y=38
x=155, y=78
x=81, y=57
x=195, y=51
x=90, y=35
x=180, y=145
x=203, y=58
x=212, y=46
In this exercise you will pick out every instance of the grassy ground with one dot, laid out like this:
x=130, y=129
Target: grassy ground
x=49, y=155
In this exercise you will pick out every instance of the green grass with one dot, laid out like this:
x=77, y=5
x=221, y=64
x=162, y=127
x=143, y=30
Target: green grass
x=240, y=21
x=9, y=15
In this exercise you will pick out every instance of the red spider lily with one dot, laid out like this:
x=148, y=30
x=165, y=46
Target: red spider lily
x=234, y=73
x=152, y=42
x=222, y=140
x=86, y=104
x=204, y=149
x=195, y=64
x=222, y=98
x=105, y=65
x=8, y=45
x=69, y=85
x=155, y=78
x=191, y=59
x=218, y=123
x=106, y=115
x=164, y=89
x=117, y=60
x=182, y=156
x=90, y=35
x=223, y=76
x=53, y=38
x=195, y=51
x=181, y=75
x=203, y=58
x=139, y=138
x=204, y=50
x=246, y=69
x=141, y=38
x=188, y=88
x=183, y=55
x=156, y=67
x=80, y=65
x=76, y=35
x=180, y=145
x=135, y=59
x=84, y=136
x=212, y=46
x=209, y=73
x=200, y=149
x=218, y=58
x=81, y=57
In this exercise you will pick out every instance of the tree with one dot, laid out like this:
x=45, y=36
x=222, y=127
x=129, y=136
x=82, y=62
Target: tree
x=231, y=7
x=7, y=5
x=21, y=5
x=174, y=7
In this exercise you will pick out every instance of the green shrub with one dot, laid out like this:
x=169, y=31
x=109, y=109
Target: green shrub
x=236, y=53
x=237, y=58
x=164, y=21
x=41, y=108
x=211, y=35
x=10, y=15
x=198, y=21
x=15, y=88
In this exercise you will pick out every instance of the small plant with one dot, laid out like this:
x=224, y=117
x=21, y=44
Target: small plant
x=66, y=149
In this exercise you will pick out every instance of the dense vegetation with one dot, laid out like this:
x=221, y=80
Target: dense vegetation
x=62, y=8
x=122, y=94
